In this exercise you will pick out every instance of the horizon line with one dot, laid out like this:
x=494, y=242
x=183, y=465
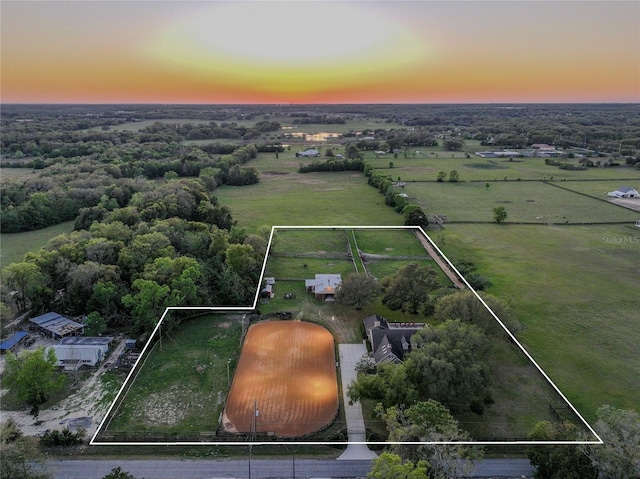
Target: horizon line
x=320, y=104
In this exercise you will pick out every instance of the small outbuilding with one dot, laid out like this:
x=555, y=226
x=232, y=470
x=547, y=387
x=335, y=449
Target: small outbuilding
x=13, y=341
x=324, y=286
x=74, y=352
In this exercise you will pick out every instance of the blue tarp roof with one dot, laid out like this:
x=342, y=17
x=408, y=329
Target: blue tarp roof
x=14, y=339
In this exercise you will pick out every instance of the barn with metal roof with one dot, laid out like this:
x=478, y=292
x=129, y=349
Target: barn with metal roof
x=56, y=326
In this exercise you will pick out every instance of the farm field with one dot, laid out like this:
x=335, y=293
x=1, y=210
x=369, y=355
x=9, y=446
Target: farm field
x=286, y=372
x=528, y=202
x=590, y=371
x=599, y=188
x=475, y=168
x=16, y=245
x=308, y=199
x=574, y=288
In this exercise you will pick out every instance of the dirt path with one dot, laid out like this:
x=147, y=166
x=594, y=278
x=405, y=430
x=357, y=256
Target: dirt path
x=83, y=409
x=441, y=262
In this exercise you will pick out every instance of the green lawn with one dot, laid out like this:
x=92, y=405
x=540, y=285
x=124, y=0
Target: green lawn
x=282, y=267
x=182, y=386
x=15, y=245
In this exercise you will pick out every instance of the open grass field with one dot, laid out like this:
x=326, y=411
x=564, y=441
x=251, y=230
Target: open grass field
x=599, y=188
x=294, y=268
x=389, y=242
x=530, y=202
x=182, y=386
x=292, y=241
x=475, y=168
x=13, y=246
x=19, y=173
x=287, y=373
x=575, y=289
x=308, y=199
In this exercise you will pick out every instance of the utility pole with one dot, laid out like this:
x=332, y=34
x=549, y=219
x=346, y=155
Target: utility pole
x=252, y=434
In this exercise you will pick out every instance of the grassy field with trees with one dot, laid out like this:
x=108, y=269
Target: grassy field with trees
x=572, y=286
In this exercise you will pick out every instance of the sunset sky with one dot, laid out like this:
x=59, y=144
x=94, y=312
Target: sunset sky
x=319, y=52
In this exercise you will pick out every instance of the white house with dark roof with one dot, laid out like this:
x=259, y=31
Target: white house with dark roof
x=324, y=286
x=624, y=192
x=389, y=341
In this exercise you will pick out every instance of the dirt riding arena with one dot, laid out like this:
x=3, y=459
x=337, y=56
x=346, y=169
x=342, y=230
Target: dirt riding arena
x=287, y=372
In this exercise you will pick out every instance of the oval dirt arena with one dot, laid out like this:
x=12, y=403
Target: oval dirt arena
x=287, y=371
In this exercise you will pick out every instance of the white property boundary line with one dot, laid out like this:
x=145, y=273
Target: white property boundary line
x=227, y=309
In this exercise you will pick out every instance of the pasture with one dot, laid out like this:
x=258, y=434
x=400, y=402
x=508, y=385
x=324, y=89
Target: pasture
x=575, y=290
x=515, y=377
x=525, y=201
x=182, y=386
x=296, y=199
x=570, y=285
x=16, y=245
x=425, y=167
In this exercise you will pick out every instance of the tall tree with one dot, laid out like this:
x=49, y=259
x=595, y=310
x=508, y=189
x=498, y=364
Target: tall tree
x=33, y=376
x=430, y=422
x=619, y=456
x=390, y=466
x=147, y=304
x=409, y=288
x=447, y=364
x=499, y=214
x=241, y=258
x=390, y=386
x=26, y=279
x=465, y=306
x=414, y=216
x=357, y=290
x=558, y=461
x=19, y=455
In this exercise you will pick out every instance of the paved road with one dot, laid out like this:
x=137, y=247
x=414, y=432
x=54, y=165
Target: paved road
x=260, y=469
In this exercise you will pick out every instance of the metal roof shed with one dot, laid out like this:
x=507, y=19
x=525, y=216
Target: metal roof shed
x=57, y=326
x=12, y=341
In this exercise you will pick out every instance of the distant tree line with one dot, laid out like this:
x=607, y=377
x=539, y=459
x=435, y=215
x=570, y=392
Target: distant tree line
x=63, y=189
